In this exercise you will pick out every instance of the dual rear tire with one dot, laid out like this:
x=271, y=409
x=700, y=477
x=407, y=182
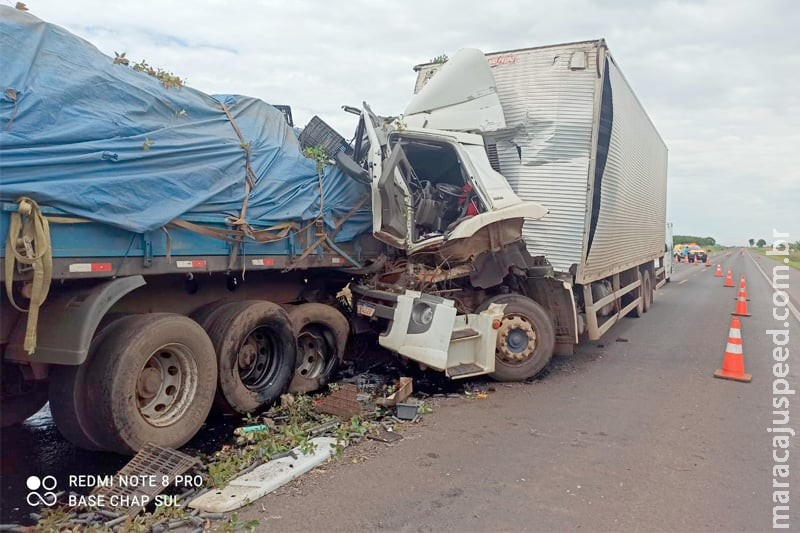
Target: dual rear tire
x=154, y=377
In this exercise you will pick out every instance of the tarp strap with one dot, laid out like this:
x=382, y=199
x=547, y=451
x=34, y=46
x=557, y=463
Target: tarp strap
x=236, y=235
x=28, y=243
x=250, y=176
x=325, y=238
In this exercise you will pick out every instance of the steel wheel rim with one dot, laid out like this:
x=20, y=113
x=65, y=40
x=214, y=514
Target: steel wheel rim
x=315, y=351
x=166, y=385
x=516, y=340
x=257, y=359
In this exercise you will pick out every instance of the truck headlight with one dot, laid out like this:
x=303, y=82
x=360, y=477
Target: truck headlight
x=422, y=313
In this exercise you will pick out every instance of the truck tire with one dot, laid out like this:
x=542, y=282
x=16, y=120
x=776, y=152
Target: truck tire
x=154, y=380
x=637, y=311
x=69, y=390
x=206, y=314
x=19, y=407
x=647, y=291
x=526, y=338
x=256, y=354
x=321, y=332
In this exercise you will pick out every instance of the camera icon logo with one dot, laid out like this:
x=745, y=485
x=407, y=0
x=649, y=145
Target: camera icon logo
x=47, y=485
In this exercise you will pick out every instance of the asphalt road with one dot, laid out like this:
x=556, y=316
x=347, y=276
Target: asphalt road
x=631, y=434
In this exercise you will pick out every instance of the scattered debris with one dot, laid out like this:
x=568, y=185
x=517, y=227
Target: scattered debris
x=407, y=410
x=156, y=466
x=261, y=481
x=386, y=436
x=341, y=402
x=269, y=449
x=403, y=389
x=622, y=339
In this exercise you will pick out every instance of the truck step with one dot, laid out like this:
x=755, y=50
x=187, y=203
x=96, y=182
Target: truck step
x=464, y=334
x=463, y=369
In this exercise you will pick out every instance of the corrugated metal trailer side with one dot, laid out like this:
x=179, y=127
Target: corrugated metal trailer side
x=627, y=187
x=568, y=107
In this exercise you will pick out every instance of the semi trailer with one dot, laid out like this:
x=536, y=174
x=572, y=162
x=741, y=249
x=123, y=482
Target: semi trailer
x=168, y=252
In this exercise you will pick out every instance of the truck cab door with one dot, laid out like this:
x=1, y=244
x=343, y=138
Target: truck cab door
x=392, y=209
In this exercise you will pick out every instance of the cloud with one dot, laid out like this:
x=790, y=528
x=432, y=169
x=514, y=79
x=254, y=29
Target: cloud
x=718, y=78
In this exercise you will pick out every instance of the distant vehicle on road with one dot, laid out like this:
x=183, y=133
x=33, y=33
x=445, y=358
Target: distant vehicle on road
x=696, y=253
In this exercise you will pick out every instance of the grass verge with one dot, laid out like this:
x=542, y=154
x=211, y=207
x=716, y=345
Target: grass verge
x=794, y=257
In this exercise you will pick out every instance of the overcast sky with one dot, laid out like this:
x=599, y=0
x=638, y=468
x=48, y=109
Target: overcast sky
x=719, y=79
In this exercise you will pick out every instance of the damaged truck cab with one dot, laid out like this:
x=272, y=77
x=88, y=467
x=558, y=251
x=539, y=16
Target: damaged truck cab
x=454, y=221
x=456, y=183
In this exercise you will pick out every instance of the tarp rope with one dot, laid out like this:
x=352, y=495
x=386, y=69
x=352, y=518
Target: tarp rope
x=28, y=243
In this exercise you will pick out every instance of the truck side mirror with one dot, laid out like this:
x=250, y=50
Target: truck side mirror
x=351, y=168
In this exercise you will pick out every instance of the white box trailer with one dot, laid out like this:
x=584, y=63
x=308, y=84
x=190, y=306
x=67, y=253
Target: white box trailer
x=577, y=140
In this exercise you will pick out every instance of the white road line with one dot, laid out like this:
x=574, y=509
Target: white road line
x=789, y=303
x=682, y=281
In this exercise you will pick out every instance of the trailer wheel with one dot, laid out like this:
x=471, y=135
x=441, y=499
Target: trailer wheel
x=206, y=314
x=256, y=352
x=321, y=333
x=154, y=380
x=69, y=389
x=525, y=340
x=647, y=291
x=19, y=407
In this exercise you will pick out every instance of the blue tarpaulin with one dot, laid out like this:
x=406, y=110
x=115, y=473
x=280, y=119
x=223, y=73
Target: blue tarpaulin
x=101, y=141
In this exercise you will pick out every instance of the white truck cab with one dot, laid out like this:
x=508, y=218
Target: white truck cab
x=431, y=186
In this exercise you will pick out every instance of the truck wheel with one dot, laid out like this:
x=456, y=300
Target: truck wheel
x=206, y=314
x=68, y=393
x=256, y=353
x=525, y=340
x=647, y=291
x=637, y=311
x=321, y=332
x=154, y=380
x=19, y=407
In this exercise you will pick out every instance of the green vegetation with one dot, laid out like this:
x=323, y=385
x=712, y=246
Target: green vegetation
x=442, y=58
x=167, y=79
x=297, y=419
x=703, y=242
x=794, y=256
x=237, y=524
x=317, y=153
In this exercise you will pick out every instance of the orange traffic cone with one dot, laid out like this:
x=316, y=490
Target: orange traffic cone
x=728, y=279
x=742, y=289
x=685, y=258
x=708, y=261
x=741, y=303
x=733, y=360
x=718, y=273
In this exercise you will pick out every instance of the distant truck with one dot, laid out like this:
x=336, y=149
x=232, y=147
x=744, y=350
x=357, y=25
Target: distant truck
x=176, y=251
